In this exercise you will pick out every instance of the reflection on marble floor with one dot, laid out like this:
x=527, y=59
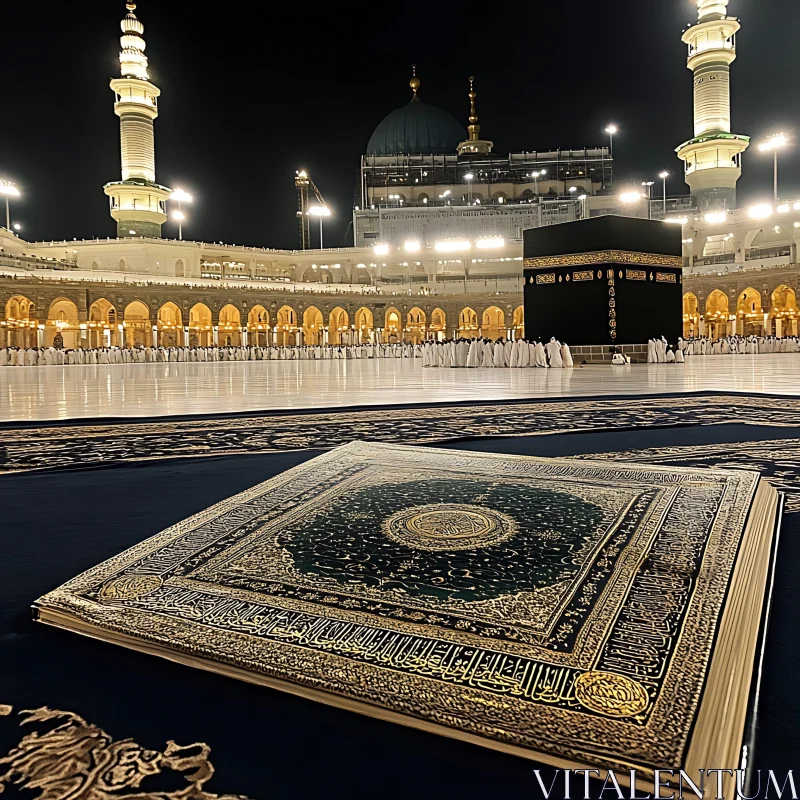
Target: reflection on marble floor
x=151, y=390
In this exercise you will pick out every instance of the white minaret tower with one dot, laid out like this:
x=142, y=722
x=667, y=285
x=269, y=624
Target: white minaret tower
x=138, y=203
x=713, y=159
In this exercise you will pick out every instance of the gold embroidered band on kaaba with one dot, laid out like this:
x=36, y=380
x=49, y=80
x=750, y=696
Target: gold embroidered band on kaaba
x=603, y=257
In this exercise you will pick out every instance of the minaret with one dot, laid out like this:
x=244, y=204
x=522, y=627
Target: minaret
x=474, y=144
x=138, y=203
x=714, y=157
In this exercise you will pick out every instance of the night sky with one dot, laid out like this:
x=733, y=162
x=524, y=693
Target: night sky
x=253, y=91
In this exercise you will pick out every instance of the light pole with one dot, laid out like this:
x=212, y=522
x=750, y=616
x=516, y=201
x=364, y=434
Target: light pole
x=536, y=175
x=649, y=185
x=573, y=190
x=321, y=212
x=468, y=178
x=664, y=175
x=611, y=130
x=774, y=143
x=9, y=190
x=179, y=217
x=180, y=197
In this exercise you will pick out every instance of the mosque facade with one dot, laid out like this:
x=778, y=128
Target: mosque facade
x=437, y=253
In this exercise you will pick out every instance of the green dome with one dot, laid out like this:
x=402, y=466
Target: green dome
x=416, y=129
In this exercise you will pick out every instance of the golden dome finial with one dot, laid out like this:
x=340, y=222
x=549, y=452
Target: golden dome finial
x=130, y=6
x=473, y=127
x=414, y=83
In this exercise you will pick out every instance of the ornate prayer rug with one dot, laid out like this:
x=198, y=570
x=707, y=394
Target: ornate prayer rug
x=122, y=708
x=576, y=612
x=81, y=445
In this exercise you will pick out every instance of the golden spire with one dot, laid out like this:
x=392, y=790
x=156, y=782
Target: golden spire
x=474, y=143
x=414, y=82
x=473, y=127
x=131, y=7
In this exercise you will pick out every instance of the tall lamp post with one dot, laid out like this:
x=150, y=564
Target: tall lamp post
x=774, y=143
x=649, y=186
x=179, y=217
x=664, y=175
x=9, y=190
x=536, y=175
x=321, y=212
x=180, y=197
x=611, y=130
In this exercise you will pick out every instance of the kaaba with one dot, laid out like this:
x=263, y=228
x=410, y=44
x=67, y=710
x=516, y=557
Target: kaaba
x=604, y=281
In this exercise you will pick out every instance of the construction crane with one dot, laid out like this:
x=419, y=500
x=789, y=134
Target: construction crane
x=303, y=183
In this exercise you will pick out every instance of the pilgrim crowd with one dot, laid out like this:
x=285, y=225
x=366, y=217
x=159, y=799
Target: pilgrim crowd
x=448, y=353
x=476, y=352
x=739, y=345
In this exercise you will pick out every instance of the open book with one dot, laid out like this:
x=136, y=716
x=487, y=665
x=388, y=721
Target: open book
x=582, y=614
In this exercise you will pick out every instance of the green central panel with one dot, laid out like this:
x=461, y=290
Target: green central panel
x=459, y=540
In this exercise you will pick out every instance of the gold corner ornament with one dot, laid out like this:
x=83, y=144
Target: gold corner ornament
x=74, y=758
x=130, y=587
x=611, y=694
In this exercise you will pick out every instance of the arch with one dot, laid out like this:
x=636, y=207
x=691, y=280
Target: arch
x=169, y=321
x=717, y=314
x=784, y=312
x=200, y=326
x=21, y=323
x=519, y=322
x=338, y=326
x=438, y=326
x=313, y=326
x=136, y=322
x=62, y=324
x=286, y=326
x=691, y=316
x=122, y=265
x=230, y=326
x=393, y=325
x=749, y=301
x=467, y=323
x=180, y=269
x=102, y=330
x=365, y=324
x=493, y=323
x=416, y=325
x=170, y=314
x=749, y=314
x=258, y=326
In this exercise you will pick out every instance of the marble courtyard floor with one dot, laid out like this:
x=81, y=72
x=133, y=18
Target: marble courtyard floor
x=87, y=486
x=155, y=390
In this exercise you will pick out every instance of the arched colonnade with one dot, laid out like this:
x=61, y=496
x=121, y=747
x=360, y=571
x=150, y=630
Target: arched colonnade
x=744, y=313
x=135, y=323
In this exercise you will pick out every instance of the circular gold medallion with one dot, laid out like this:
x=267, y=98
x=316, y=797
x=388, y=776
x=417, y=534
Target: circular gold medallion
x=130, y=587
x=611, y=694
x=449, y=526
